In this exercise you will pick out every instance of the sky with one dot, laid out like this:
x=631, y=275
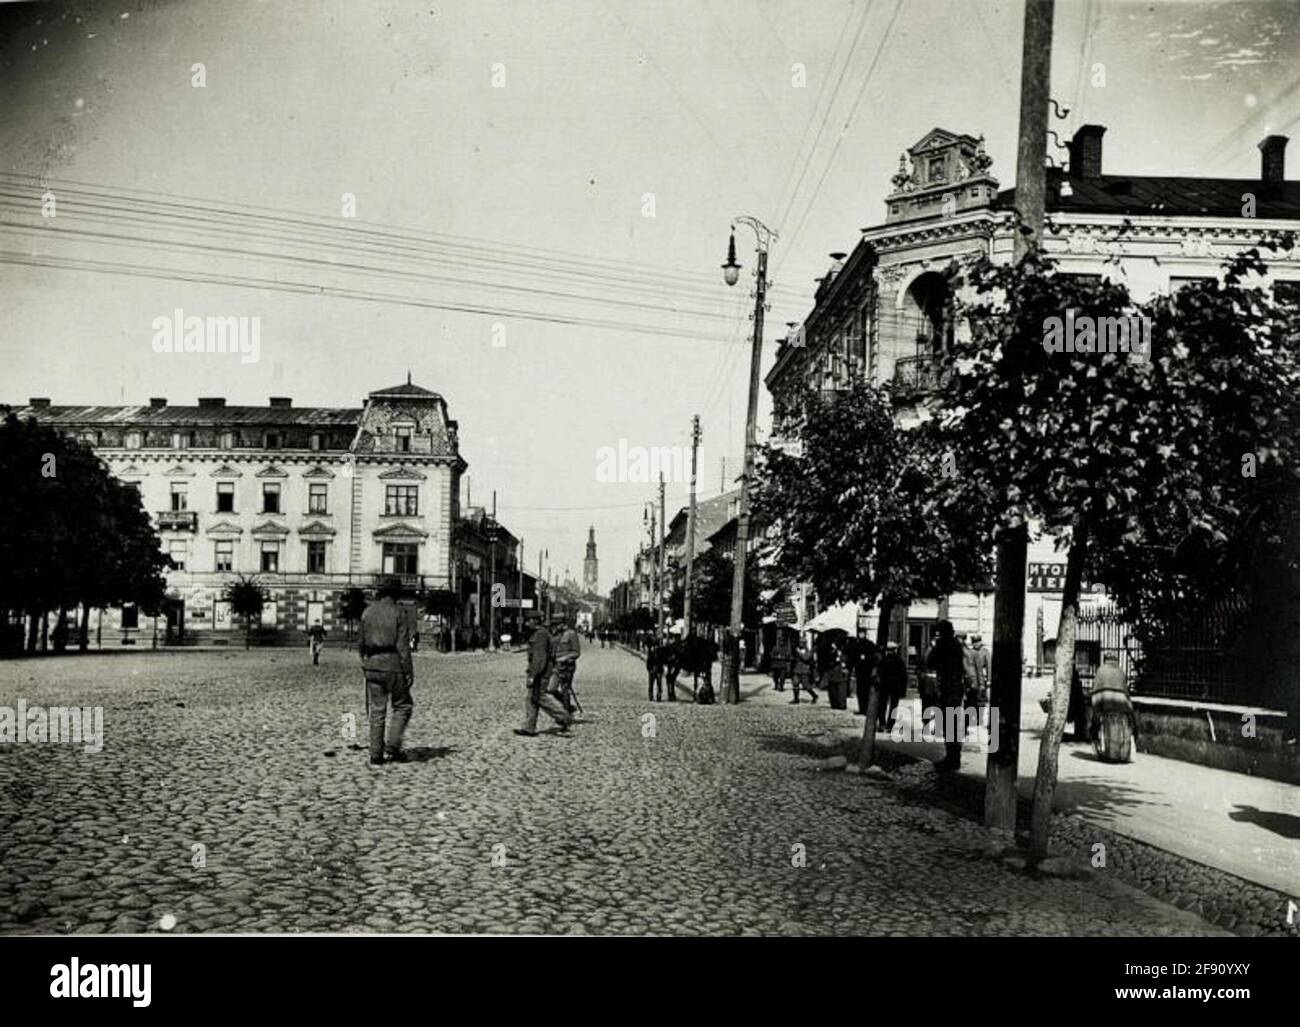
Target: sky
x=567, y=170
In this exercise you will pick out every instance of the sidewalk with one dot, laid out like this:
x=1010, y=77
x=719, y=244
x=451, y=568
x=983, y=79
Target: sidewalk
x=1245, y=826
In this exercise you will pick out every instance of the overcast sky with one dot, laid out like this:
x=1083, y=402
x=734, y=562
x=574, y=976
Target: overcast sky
x=597, y=104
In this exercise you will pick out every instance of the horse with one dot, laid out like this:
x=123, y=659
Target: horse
x=696, y=655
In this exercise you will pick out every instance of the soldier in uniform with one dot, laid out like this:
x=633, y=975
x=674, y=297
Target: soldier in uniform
x=540, y=658
x=567, y=648
x=385, y=637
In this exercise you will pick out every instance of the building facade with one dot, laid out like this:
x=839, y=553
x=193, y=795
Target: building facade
x=886, y=311
x=309, y=501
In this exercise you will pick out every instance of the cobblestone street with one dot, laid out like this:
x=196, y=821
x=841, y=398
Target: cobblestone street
x=696, y=829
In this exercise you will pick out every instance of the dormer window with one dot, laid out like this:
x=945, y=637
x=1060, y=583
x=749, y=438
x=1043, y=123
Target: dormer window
x=936, y=169
x=403, y=434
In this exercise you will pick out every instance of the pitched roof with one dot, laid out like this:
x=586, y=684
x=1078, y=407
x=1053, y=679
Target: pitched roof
x=1166, y=194
x=347, y=417
x=408, y=390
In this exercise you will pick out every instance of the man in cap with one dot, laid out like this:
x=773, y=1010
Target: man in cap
x=385, y=637
x=567, y=648
x=540, y=658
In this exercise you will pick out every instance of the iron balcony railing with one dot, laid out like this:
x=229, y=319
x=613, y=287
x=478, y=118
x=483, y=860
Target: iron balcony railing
x=178, y=520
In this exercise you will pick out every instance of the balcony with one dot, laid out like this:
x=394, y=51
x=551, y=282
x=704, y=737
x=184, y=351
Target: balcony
x=178, y=520
x=914, y=376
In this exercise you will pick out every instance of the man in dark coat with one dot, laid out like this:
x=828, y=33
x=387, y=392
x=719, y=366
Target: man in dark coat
x=540, y=657
x=865, y=656
x=891, y=673
x=947, y=658
x=385, y=637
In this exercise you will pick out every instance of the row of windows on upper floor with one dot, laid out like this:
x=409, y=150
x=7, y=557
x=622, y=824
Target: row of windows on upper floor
x=398, y=557
x=399, y=500
x=401, y=439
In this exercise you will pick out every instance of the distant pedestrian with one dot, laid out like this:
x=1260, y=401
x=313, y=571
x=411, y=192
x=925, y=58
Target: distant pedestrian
x=384, y=637
x=835, y=675
x=947, y=658
x=540, y=658
x=802, y=669
x=865, y=658
x=781, y=657
x=980, y=668
x=317, y=635
x=891, y=674
x=1113, y=723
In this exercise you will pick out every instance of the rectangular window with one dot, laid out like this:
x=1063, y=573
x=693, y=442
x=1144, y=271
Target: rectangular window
x=227, y=440
x=316, y=499
x=182, y=439
x=401, y=558
x=271, y=557
x=1287, y=293
x=130, y=616
x=177, y=550
x=133, y=440
x=272, y=440
x=180, y=495
x=316, y=441
x=225, y=555
x=402, y=500
x=403, y=440
x=271, y=497
x=315, y=557
x=225, y=497
x=268, y=615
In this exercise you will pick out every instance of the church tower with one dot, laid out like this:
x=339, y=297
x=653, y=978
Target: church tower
x=590, y=577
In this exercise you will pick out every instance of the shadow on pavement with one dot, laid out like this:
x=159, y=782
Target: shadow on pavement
x=1284, y=824
x=425, y=753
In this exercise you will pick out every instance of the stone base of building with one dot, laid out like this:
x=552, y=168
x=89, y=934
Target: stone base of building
x=1245, y=739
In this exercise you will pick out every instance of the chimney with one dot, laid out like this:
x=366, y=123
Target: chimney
x=212, y=401
x=1272, y=162
x=281, y=401
x=39, y=402
x=1085, y=152
x=157, y=402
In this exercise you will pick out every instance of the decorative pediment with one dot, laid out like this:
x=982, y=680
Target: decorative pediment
x=226, y=471
x=272, y=472
x=178, y=471
x=130, y=470
x=269, y=529
x=402, y=474
x=318, y=472
x=400, y=533
x=317, y=530
x=224, y=528
x=935, y=139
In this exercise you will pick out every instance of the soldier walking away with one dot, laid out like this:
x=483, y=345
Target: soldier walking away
x=980, y=663
x=567, y=648
x=781, y=655
x=540, y=657
x=317, y=635
x=947, y=658
x=385, y=636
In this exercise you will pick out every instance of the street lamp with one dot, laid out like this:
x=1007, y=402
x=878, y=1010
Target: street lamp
x=730, y=275
x=731, y=270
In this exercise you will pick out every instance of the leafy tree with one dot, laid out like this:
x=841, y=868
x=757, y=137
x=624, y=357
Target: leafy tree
x=856, y=510
x=246, y=598
x=70, y=533
x=1113, y=452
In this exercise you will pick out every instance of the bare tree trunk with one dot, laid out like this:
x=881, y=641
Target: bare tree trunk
x=867, y=750
x=83, y=632
x=1050, y=747
x=33, y=627
x=45, y=631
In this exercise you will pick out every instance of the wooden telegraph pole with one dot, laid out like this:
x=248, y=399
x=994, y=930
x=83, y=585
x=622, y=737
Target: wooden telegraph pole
x=1013, y=544
x=690, y=529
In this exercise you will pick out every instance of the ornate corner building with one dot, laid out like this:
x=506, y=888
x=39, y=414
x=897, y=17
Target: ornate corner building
x=886, y=311
x=310, y=501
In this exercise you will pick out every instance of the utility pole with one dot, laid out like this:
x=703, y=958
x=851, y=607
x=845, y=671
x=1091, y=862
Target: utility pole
x=653, y=561
x=661, y=556
x=730, y=273
x=690, y=530
x=492, y=587
x=1000, y=794
x=519, y=610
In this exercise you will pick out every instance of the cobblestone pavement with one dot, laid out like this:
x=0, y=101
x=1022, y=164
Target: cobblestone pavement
x=691, y=823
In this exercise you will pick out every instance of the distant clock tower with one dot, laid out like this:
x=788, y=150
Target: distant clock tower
x=590, y=576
